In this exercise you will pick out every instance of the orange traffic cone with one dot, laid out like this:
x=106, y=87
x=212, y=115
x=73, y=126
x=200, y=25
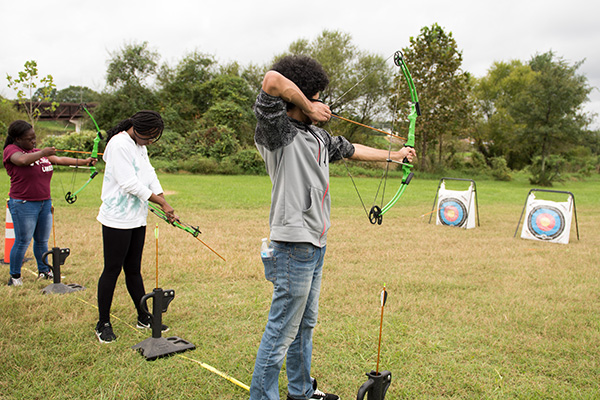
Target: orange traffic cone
x=9, y=237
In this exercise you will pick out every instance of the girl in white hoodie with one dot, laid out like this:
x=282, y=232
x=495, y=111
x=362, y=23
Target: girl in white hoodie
x=129, y=183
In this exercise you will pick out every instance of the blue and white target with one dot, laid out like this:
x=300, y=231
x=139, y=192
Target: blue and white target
x=546, y=222
x=452, y=212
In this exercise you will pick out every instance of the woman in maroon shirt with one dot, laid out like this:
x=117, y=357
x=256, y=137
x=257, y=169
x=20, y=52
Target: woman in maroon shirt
x=30, y=204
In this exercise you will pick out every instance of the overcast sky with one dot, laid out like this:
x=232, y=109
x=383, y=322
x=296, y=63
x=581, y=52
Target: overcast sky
x=72, y=39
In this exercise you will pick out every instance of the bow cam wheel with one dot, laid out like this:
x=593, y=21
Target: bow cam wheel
x=375, y=215
x=70, y=198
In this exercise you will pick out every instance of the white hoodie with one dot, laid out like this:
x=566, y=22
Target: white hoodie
x=129, y=181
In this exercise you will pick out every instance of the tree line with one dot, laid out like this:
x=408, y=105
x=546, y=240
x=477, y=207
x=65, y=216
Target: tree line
x=522, y=115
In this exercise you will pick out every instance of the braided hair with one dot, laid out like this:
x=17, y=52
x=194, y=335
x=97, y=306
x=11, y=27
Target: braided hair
x=145, y=123
x=15, y=130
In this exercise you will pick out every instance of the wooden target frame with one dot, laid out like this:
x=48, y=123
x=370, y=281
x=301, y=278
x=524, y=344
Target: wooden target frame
x=551, y=230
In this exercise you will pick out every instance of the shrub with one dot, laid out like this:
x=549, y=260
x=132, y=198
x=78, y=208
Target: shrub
x=543, y=173
x=8, y=114
x=215, y=142
x=171, y=146
x=478, y=163
x=249, y=162
x=82, y=141
x=165, y=165
x=500, y=170
x=200, y=165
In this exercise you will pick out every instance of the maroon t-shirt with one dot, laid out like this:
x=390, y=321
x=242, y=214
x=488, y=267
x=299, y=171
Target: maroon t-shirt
x=31, y=182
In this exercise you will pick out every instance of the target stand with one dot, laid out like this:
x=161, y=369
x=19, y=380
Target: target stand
x=548, y=221
x=59, y=257
x=157, y=346
x=456, y=208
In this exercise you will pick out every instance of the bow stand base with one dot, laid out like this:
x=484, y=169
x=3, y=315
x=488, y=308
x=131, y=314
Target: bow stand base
x=376, y=387
x=58, y=258
x=157, y=346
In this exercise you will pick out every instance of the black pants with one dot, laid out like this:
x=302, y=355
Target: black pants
x=123, y=248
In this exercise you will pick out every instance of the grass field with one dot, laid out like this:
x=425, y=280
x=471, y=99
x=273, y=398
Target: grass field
x=471, y=314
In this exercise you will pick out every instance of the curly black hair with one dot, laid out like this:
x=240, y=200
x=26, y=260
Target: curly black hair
x=307, y=73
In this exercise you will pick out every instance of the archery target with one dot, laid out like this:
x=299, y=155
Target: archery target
x=452, y=212
x=456, y=208
x=547, y=220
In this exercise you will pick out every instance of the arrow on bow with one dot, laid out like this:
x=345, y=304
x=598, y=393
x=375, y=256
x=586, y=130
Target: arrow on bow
x=368, y=127
x=71, y=197
x=192, y=230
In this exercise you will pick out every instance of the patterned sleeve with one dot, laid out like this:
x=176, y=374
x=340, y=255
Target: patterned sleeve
x=338, y=146
x=273, y=127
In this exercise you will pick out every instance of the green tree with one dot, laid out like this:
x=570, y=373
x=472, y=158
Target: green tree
x=236, y=117
x=443, y=87
x=182, y=94
x=497, y=131
x=8, y=114
x=133, y=65
x=123, y=103
x=532, y=114
x=551, y=113
x=230, y=100
x=359, y=82
x=130, y=72
x=77, y=94
x=253, y=74
x=33, y=91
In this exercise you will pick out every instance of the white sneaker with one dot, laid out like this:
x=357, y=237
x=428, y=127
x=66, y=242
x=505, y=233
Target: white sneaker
x=15, y=281
x=318, y=395
x=46, y=275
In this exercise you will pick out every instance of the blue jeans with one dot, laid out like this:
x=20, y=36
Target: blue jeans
x=295, y=269
x=31, y=219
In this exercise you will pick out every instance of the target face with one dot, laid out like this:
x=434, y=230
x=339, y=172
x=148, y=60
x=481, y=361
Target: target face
x=452, y=212
x=546, y=222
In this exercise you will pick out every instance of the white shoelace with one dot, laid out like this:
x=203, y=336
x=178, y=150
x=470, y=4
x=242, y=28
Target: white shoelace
x=319, y=393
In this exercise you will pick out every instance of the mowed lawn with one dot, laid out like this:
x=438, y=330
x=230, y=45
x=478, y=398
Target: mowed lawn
x=471, y=314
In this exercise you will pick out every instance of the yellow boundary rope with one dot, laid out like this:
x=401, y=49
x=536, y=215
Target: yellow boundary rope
x=202, y=364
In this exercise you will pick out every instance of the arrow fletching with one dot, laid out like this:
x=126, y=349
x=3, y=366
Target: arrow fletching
x=383, y=296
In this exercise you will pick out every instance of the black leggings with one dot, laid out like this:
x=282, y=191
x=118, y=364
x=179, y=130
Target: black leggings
x=123, y=248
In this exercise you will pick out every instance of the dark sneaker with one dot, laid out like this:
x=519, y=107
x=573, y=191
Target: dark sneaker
x=105, y=333
x=318, y=395
x=146, y=323
x=15, y=281
x=46, y=275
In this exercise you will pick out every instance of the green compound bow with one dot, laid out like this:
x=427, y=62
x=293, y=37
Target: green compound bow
x=192, y=230
x=72, y=197
x=376, y=213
